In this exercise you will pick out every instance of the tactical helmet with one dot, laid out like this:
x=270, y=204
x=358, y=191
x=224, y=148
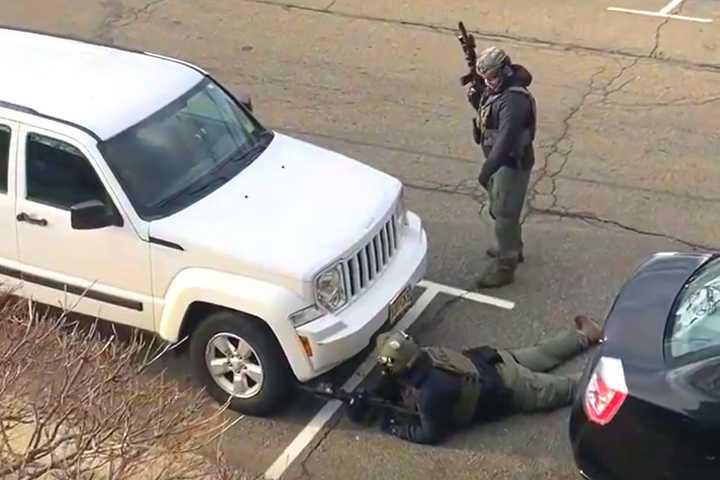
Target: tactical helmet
x=491, y=60
x=396, y=352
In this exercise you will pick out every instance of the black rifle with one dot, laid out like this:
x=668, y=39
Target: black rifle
x=362, y=399
x=467, y=42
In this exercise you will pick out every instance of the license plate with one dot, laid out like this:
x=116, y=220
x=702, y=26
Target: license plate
x=399, y=306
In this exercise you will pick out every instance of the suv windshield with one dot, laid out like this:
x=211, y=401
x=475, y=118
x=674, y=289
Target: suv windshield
x=696, y=321
x=185, y=150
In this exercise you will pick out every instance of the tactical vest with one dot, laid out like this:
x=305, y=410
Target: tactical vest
x=488, y=135
x=459, y=365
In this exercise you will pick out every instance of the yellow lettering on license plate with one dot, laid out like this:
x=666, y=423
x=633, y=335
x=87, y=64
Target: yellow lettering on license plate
x=399, y=306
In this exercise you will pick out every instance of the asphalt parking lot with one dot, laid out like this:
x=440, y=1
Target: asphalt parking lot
x=627, y=165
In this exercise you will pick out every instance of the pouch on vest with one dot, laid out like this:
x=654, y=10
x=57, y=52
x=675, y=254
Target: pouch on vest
x=533, y=110
x=459, y=365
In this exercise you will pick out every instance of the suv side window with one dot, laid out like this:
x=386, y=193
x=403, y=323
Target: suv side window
x=57, y=174
x=4, y=154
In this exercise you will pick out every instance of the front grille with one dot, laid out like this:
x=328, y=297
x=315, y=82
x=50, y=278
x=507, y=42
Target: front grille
x=368, y=262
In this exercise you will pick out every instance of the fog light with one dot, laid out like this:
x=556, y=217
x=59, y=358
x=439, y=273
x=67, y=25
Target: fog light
x=306, y=315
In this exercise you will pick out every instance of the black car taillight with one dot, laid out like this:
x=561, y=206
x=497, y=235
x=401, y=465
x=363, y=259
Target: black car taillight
x=606, y=391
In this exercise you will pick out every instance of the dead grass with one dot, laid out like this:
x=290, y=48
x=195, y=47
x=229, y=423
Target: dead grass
x=75, y=403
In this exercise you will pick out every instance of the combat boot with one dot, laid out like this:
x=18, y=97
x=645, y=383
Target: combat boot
x=500, y=273
x=493, y=252
x=588, y=328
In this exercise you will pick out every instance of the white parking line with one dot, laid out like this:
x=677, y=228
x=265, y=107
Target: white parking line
x=476, y=297
x=670, y=7
x=665, y=12
x=328, y=411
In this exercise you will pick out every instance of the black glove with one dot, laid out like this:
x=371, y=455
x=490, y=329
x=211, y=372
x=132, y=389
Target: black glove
x=484, y=179
x=389, y=423
x=358, y=408
x=473, y=96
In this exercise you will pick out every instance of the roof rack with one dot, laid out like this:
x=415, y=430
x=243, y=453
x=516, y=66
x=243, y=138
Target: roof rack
x=100, y=44
x=19, y=108
x=70, y=37
x=32, y=111
x=24, y=109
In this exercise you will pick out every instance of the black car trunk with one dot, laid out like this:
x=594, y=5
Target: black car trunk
x=644, y=438
x=635, y=327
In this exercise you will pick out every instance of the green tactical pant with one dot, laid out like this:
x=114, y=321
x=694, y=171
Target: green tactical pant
x=521, y=372
x=507, y=190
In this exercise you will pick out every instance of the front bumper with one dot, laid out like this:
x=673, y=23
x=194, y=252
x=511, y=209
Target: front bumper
x=336, y=338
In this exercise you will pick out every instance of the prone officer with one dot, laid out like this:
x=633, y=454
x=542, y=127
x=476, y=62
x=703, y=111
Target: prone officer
x=449, y=390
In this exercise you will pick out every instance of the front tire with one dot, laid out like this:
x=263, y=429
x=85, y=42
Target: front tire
x=236, y=356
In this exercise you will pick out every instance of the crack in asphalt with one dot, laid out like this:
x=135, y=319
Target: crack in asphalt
x=106, y=32
x=558, y=211
x=656, y=46
x=491, y=36
x=608, y=90
x=332, y=4
x=682, y=102
x=634, y=188
x=117, y=17
x=468, y=187
x=555, y=150
x=135, y=14
x=591, y=218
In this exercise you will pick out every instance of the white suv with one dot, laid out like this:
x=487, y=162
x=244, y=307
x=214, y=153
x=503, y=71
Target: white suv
x=135, y=188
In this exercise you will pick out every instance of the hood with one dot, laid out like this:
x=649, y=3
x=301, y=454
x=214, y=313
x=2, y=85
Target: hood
x=294, y=210
x=521, y=77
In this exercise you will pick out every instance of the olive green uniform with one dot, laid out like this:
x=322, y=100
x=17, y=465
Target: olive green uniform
x=523, y=372
x=507, y=190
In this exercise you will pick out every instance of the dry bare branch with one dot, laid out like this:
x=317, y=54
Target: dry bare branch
x=75, y=404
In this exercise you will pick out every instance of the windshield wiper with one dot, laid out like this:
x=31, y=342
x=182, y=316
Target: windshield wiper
x=187, y=191
x=265, y=134
x=250, y=154
x=207, y=185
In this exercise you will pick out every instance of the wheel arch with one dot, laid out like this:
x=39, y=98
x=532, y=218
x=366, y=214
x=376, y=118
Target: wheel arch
x=196, y=293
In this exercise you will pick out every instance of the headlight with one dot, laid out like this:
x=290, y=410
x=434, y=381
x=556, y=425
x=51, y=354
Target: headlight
x=330, y=288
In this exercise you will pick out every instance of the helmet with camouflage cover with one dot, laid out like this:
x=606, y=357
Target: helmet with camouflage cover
x=491, y=60
x=396, y=352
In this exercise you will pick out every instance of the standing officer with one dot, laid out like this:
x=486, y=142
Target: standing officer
x=450, y=390
x=506, y=131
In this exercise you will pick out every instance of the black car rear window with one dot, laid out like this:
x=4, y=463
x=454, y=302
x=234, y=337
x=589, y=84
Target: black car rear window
x=695, y=321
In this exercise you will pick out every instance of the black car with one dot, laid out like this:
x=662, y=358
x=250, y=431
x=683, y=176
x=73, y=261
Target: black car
x=648, y=406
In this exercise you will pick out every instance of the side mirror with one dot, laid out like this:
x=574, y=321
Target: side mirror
x=245, y=99
x=93, y=214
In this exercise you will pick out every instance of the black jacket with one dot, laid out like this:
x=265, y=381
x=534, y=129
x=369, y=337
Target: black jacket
x=510, y=114
x=435, y=392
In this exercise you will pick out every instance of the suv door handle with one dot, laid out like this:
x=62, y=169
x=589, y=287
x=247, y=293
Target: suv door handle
x=24, y=217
